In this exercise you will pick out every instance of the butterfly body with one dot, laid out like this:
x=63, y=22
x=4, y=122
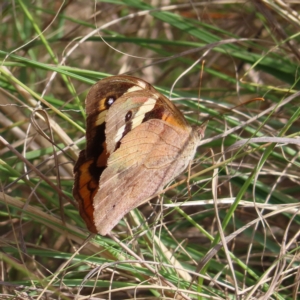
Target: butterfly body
x=137, y=142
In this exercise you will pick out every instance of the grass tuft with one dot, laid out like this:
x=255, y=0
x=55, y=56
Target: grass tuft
x=232, y=232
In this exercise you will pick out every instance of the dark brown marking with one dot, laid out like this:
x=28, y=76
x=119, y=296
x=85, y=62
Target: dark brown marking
x=156, y=113
x=128, y=116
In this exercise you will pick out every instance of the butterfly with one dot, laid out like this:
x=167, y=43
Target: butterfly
x=137, y=141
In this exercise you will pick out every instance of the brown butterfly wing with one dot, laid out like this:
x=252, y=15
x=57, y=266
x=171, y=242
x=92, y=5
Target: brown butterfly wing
x=93, y=160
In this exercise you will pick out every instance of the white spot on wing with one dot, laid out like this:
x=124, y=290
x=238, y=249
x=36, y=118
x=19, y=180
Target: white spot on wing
x=140, y=114
x=119, y=133
x=138, y=117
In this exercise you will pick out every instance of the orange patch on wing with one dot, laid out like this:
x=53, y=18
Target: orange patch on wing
x=87, y=189
x=102, y=106
x=173, y=120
